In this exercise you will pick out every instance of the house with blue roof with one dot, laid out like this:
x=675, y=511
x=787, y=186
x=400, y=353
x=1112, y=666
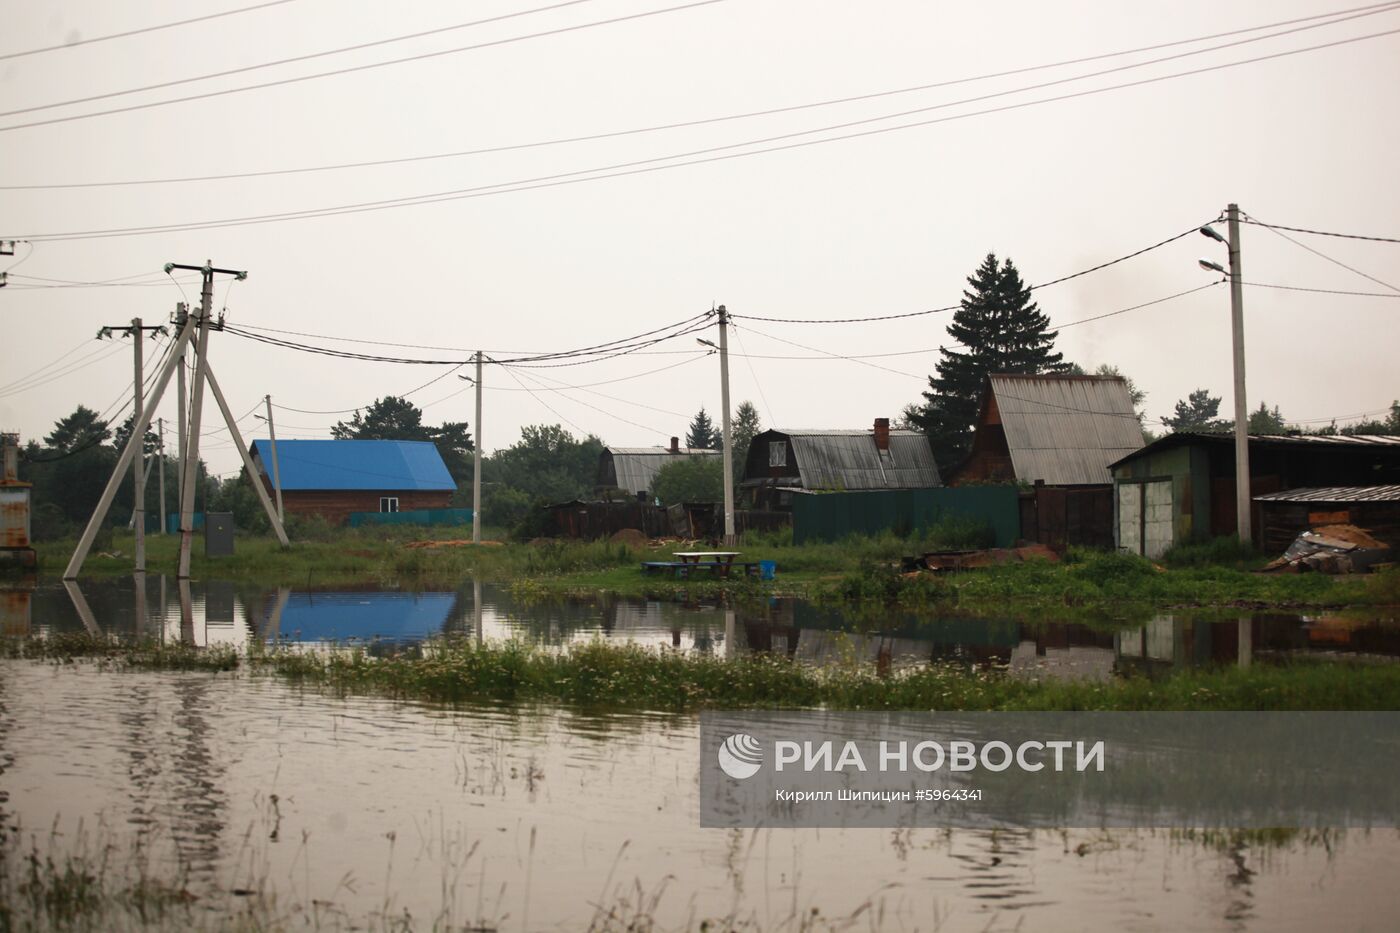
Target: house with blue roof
x=332, y=479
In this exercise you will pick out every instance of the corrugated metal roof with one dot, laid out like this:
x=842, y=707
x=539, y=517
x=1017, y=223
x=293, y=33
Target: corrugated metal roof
x=1066, y=430
x=357, y=465
x=636, y=467
x=1335, y=494
x=850, y=460
x=1340, y=441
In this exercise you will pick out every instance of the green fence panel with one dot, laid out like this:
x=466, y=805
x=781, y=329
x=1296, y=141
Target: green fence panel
x=833, y=516
x=413, y=517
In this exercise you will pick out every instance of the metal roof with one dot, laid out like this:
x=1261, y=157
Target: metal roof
x=1066, y=430
x=850, y=460
x=1335, y=494
x=636, y=467
x=1325, y=441
x=356, y=465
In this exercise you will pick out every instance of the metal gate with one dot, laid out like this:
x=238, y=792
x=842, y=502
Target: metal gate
x=1145, y=517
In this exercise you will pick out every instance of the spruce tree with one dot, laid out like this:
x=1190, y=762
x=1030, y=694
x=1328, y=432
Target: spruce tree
x=1001, y=330
x=702, y=433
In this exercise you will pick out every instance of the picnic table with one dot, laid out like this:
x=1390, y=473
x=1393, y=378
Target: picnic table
x=720, y=563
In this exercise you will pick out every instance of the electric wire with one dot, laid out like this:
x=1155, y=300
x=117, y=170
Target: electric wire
x=662, y=163
x=281, y=82
x=1321, y=291
x=1317, y=252
x=77, y=43
x=748, y=361
x=686, y=124
x=536, y=378
x=34, y=372
x=1145, y=304
x=510, y=370
x=1345, y=236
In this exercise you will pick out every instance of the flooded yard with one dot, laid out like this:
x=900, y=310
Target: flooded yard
x=254, y=794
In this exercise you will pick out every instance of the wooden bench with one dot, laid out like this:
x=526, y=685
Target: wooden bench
x=684, y=569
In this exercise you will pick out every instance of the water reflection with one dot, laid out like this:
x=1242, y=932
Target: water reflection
x=224, y=613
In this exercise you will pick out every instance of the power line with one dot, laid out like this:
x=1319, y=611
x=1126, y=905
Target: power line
x=511, y=371
x=1317, y=252
x=646, y=166
x=423, y=56
x=705, y=121
x=142, y=31
x=1145, y=304
x=1345, y=236
x=602, y=411
x=835, y=356
x=1321, y=291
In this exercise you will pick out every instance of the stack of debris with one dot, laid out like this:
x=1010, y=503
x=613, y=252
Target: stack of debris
x=944, y=561
x=1332, y=549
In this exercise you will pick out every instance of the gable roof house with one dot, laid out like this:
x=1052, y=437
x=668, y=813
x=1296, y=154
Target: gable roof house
x=335, y=478
x=633, y=469
x=1050, y=429
x=782, y=462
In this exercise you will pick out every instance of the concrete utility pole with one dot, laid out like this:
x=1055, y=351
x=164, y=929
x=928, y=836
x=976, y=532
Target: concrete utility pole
x=182, y=313
x=138, y=466
x=727, y=435
x=189, y=466
x=476, y=459
x=276, y=469
x=1242, y=498
x=133, y=443
x=160, y=471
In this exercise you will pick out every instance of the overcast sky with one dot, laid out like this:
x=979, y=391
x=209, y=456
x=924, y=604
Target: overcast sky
x=884, y=223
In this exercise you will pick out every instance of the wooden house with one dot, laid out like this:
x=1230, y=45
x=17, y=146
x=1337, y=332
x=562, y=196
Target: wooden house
x=632, y=470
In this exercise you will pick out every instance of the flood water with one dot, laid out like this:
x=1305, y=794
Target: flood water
x=535, y=818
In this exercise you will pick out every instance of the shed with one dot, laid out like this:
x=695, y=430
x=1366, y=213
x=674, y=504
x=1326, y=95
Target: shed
x=334, y=478
x=1181, y=488
x=1285, y=515
x=783, y=461
x=633, y=469
x=14, y=508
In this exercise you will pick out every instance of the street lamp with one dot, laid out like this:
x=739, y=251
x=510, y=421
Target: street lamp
x=1232, y=243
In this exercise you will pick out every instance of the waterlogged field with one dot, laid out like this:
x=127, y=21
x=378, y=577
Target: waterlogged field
x=179, y=800
x=230, y=755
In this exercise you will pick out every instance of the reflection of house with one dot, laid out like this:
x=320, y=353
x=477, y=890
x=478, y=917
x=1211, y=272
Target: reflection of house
x=783, y=462
x=1058, y=434
x=334, y=478
x=1181, y=488
x=633, y=469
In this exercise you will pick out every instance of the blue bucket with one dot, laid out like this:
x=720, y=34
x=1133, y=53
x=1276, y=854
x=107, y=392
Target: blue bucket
x=767, y=569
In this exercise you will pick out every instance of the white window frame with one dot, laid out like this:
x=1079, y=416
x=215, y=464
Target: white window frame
x=388, y=504
x=777, y=453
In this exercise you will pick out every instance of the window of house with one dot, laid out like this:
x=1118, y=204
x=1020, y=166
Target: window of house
x=388, y=503
x=777, y=453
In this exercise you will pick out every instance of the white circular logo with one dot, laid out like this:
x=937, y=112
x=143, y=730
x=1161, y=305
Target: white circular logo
x=740, y=756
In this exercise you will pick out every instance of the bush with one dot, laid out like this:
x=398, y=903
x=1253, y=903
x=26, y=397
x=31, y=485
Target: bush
x=1102, y=568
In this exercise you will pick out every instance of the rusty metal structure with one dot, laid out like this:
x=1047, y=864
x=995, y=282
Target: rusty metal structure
x=15, y=549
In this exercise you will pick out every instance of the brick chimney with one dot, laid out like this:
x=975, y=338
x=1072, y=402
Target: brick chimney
x=675, y=445
x=882, y=433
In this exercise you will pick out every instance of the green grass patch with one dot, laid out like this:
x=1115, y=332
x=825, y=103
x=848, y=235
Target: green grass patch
x=602, y=674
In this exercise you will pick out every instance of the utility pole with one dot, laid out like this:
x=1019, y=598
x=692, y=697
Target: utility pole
x=728, y=446
x=138, y=466
x=189, y=466
x=182, y=313
x=476, y=460
x=160, y=470
x=139, y=470
x=1242, y=498
x=276, y=470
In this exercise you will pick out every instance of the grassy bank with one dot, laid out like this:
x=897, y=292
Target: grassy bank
x=600, y=674
x=859, y=571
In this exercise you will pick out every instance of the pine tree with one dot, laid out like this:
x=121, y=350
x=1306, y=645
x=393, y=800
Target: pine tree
x=1002, y=331
x=1197, y=412
x=702, y=433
